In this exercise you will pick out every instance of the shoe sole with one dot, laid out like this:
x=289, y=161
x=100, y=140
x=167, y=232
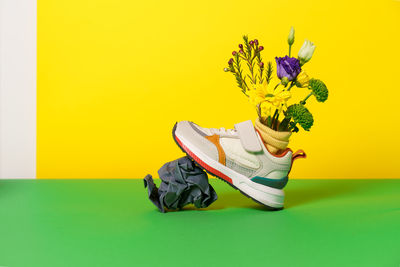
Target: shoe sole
x=271, y=198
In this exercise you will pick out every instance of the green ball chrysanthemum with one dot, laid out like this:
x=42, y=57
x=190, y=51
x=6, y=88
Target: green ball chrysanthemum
x=301, y=115
x=319, y=90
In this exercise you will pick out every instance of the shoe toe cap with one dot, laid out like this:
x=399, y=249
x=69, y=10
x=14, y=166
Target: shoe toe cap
x=194, y=137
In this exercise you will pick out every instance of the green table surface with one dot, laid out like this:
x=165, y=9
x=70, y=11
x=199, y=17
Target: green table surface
x=112, y=223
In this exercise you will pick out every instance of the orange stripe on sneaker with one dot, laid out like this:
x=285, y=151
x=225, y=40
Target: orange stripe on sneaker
x=221, y=153
x=202, y=163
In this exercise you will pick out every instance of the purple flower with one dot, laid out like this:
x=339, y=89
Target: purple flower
x=288, y=67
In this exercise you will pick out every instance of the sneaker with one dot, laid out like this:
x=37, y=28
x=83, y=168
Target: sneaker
x=240, y=158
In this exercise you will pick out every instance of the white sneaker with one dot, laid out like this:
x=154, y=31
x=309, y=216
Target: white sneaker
x=240, y=158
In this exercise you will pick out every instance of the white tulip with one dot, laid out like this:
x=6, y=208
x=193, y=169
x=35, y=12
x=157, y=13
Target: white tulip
x=306, y=52
x=290, y=38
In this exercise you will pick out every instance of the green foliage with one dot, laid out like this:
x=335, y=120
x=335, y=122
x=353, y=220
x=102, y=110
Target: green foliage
x=260, y=69
x=268, y=72
x=284, y=125
x=268, y=122
x=293, y=127
x=247, y=45
x=300, y=115
x=249, y=54
x=319, y=89
x=250, y=71
x=241, y=81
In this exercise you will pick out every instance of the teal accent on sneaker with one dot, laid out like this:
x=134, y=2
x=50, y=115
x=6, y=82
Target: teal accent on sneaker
x=275, y=183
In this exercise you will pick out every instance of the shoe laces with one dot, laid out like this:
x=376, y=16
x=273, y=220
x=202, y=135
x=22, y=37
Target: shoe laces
x=223, y=131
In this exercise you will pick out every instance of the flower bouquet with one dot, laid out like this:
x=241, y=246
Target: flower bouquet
x=277, y=118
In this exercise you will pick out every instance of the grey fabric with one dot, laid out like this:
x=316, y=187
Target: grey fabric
x=182, y=183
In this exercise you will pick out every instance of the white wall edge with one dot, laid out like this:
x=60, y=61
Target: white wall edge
x=18, y=89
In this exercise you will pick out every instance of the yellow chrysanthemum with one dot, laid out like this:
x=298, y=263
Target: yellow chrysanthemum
x=257, y=94
x=268, y=98
x=266, y=108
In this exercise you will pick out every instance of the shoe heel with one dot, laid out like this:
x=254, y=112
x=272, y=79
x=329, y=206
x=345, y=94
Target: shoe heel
x=263, y=194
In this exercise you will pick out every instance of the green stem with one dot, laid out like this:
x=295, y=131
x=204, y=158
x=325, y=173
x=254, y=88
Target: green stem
x=294, y=126
x=305, y=99
x=291, y=85
x=260, y=70
x=273, y=118
x=235, y=68
x=290, y=49
x=259, y=111
x=268, y=121
x=251, y=67
x=276, y=122
x=252, y=74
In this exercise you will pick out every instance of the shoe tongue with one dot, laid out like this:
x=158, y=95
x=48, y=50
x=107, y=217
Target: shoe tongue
x=248, y=136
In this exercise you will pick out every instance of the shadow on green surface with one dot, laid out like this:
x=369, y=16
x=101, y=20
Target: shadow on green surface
x=233, y=199
x=299, y=193
x=226, y=200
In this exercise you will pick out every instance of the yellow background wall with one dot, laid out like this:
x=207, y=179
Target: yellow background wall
x=114, y=77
